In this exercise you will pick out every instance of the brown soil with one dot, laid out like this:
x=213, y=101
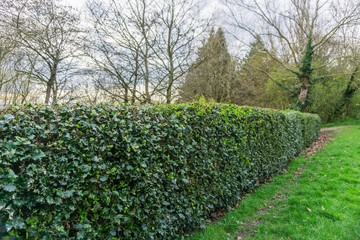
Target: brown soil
x=333, y=128
x=248, y=229
x=319, y=143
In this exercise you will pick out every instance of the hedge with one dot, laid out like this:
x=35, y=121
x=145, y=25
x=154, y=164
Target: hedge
x=126, y=172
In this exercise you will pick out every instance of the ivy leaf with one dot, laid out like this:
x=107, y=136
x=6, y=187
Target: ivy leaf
x=104, y=178
x=9, y=187
x=12, y=174
x=185, y=180
x=8, y=116
x=17, y=223
x=81, y=234
x=38, y=155
x=85, y=167
x=68, y=193
x=116, y=164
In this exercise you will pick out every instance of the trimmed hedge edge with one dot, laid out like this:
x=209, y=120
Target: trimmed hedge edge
x=126, y=172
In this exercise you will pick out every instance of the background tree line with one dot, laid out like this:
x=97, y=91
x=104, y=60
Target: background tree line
x=300, y=54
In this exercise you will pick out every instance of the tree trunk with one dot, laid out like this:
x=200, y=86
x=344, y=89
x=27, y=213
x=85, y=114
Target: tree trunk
x=303, y=92
x=126, y=97
x=50, y=85
x=305, y=76
x=133, y=97
x=55, y=94
x=147, y=93
x=136, y=76
x=170, y=80
x=48, y=92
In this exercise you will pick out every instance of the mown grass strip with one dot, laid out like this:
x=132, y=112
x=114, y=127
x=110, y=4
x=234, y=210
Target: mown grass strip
x=344, y=122
x=317, y=199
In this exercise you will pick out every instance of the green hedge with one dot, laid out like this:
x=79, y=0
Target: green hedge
x=125, y=172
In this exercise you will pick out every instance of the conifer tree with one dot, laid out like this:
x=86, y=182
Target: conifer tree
x=253, y=77
x=213, y=71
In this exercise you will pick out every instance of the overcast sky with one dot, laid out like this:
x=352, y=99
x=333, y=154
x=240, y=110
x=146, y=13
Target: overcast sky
x=211, y=8
x=76, y=3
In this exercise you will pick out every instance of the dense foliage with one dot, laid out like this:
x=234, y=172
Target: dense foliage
x=126, y=172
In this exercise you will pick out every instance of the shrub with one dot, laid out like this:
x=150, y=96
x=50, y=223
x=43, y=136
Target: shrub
x=125, y=172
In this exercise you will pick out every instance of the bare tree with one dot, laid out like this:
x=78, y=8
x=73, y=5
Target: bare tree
x=7, y=75
x=10, y=80
x=143, y=48
x=121, y=51
x=7, y=50
x=179, y=28
x=47, y=32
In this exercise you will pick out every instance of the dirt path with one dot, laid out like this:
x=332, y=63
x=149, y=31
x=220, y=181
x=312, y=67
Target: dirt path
x=333, y=128
x=320, y=142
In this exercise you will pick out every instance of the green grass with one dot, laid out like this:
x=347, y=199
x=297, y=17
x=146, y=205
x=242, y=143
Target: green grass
x=322, y=203
x=345, y=122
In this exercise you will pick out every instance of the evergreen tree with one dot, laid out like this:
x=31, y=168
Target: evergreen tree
x=212, y=73
x=254, y=76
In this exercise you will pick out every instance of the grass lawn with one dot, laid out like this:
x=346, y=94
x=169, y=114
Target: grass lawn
x=345, y=122
x=319, y=198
